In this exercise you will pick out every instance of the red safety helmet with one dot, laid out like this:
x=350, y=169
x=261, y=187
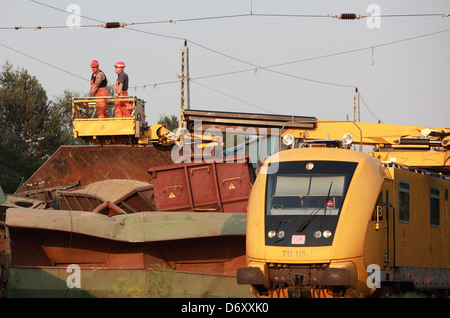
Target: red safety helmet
x=94, y=63
x=120, y=64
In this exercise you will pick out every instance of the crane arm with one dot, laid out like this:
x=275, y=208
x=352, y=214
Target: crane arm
x=378, y=135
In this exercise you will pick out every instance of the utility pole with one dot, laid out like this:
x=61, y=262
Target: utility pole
x=356, y=117
x=184, y=77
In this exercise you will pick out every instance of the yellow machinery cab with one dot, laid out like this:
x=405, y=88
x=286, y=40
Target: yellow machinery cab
x=111, y=130
x=108, y=130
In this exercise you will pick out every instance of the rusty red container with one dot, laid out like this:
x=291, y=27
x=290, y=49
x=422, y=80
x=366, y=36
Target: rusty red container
x=203, y=187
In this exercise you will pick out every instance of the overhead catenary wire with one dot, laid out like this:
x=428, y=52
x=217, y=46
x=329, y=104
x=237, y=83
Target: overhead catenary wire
x=311, y=58
x=254, y=66
x=258, y=67
x=44, y=62
x=342, y=16
x=233, y=97
x=108, y=25
x=368, y=109
x=125, y=26
x=347, y=16
x=154, y=84
x=193, y=80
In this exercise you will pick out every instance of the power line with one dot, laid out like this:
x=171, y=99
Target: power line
x=44, y=62
x=411, y=15
x=214, y=51
x=253, y=14
x=255, y=67
x=19, y=27
x=344, y=16
x=233, y=97
x=368, y=109
x=61, y=10
x=154, y=85
x=313, y=58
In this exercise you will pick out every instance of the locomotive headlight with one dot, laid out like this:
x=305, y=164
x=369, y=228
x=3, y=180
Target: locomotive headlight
x=288, y=139
x=271, y=234
x=326, y=234
x=347, y=139
x=317, y=234
x=281, y=234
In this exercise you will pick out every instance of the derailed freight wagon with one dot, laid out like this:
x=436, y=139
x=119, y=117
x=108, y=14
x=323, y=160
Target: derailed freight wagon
x=145, y=254
x=105, y=243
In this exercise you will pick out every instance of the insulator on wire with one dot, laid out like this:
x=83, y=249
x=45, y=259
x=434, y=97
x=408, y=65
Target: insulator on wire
x=348, y=16
x=113, y=25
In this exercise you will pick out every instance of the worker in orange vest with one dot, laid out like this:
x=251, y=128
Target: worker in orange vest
x=99, y=88
x=123, y=108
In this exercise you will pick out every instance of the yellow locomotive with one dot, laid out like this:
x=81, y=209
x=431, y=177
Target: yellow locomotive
x=331, y=222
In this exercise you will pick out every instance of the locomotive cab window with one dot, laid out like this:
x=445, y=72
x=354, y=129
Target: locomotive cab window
x=434, y=206
x=304, y=200
x=302, y=195
x=403, y=205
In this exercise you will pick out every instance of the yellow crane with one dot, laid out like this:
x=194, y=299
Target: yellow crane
x=132, y=130
x=412, y=146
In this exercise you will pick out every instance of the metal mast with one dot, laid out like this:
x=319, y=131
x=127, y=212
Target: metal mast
x=184, y=77
x=356, y=106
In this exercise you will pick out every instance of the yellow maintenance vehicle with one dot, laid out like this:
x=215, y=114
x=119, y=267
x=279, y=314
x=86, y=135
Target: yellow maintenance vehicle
x=127, y=130
x=291, y=246
x=132, y=130
x=412, y=146
x=329, y=219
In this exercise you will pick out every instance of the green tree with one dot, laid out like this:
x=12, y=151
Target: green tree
x=30, y=127
x=61, y=110
x=170, y=122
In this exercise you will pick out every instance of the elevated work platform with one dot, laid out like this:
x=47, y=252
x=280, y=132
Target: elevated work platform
x=112, y=130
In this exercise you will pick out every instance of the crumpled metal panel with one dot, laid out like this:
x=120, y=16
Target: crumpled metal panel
x=130, y=195
x=209, y=244
x=135, y=227
x=89, y=164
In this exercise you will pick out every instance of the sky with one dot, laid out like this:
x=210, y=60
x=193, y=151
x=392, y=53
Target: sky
x=282, y=57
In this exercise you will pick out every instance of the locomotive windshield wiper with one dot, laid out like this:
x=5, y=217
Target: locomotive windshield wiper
x=314, y=213
x=311, y=217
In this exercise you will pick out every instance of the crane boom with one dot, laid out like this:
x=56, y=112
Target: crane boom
x=380, y=135
x=412, y=146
